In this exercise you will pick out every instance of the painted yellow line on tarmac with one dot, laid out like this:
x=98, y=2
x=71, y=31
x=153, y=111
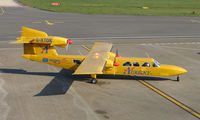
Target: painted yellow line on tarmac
x=49, y=23
x=37, y=22
x=58, y=22
x=186, y=108
x=195, y=21
x=2, y=11
x=88, y=49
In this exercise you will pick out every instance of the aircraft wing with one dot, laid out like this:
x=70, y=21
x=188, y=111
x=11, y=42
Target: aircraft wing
x=95, y=62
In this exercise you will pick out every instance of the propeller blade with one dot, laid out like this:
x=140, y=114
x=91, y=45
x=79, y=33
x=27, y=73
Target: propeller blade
x=68, y=42
x=114, y=70
x=67, y=47
x=115, y=63
x=117, y=53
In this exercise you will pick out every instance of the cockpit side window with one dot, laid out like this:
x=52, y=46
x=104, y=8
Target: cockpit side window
x=78, y=62
x=156, y=64
x=136, y=64
x=146, y=64
x=127, y=64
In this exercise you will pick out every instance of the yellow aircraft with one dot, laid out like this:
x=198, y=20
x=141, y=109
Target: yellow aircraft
x=38, y=46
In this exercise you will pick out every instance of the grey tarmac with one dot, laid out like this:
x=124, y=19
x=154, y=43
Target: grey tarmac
x=37, y=91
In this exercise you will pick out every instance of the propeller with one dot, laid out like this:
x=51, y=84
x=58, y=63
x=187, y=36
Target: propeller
x=115, y=63
x=117, y=54
x=68, y=42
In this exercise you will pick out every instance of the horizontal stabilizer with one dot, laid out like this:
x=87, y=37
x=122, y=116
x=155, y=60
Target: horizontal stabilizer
x=22, y=40
x=28, y=32
x=32, y=36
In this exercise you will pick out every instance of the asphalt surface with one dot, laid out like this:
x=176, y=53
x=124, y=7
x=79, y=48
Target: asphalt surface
x=31, y=90
x=95, y=26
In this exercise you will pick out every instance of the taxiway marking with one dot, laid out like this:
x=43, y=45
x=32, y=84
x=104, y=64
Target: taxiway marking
x=4, y=108
x=48, y=23
x=173, y=100
x=2, y=11
x=177, y=47
x=195, y=21
x=58, y=22
x=37, y=22
x=173, y=43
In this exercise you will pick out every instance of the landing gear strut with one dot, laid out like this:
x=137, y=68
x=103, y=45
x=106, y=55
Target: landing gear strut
x=94, y=80
x=178, y=78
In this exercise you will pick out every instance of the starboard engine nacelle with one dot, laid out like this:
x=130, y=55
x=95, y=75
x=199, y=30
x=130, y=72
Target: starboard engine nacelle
x=109, y=63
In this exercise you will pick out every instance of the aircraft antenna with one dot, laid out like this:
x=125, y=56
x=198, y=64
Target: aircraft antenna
x=147, y=54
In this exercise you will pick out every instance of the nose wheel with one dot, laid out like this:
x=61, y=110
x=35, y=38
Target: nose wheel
x=178, y=78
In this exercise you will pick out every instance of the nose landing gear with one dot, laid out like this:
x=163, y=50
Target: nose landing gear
x=178, y=78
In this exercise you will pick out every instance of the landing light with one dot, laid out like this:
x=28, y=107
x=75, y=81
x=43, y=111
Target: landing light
x=96, y=54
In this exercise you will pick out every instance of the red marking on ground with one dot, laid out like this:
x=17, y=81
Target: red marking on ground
x=55, y=3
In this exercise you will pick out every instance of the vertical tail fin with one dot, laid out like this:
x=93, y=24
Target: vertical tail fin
x=39, y=49
x=28, y=35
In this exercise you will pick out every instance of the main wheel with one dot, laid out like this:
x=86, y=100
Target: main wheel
x=94, y=81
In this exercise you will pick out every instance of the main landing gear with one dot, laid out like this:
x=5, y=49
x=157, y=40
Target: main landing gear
x=178, y=78
x=94, y=79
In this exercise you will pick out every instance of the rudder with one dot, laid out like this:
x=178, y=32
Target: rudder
x=39, y=49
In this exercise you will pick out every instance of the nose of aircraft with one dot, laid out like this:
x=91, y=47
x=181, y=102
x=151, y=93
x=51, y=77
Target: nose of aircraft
x=181, y=70
x=173, y=70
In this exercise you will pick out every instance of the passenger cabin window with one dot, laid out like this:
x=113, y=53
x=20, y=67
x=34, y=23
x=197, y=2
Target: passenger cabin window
x=77, y=62
x=136, y=64
x=146, y=64
x=127, y=64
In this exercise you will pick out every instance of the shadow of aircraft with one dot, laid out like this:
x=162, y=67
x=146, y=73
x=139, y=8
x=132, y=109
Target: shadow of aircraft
x=21, y=71
x=59, y=85
x=62, y=81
